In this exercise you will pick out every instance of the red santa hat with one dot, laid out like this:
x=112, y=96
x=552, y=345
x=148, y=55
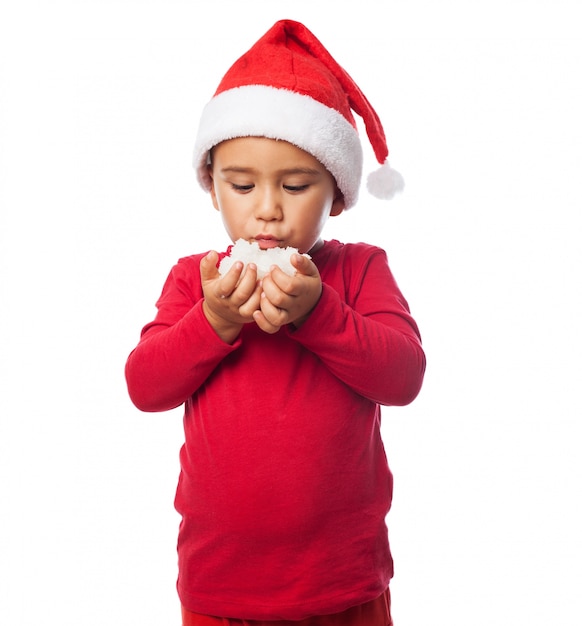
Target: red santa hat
x=288, y=86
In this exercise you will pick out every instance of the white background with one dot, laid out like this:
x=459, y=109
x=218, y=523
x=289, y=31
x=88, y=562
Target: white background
x=481, y=101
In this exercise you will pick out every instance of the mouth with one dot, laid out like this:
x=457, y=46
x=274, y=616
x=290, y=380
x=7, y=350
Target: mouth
x=267, y=241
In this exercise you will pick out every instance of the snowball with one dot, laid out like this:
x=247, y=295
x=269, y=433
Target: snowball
x=251, y=253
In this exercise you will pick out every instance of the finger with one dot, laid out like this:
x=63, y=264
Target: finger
x=248, y=281
x=245, y=288
x=264, y=324
x=252, y=304
x=279, y=278
x=275, y=315
x=274, y=290
x=228, y=283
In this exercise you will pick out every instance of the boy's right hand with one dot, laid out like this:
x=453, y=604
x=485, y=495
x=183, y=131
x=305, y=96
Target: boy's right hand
x=229, y=300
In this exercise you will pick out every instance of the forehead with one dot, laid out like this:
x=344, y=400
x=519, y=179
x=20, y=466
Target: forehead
x=256, y=151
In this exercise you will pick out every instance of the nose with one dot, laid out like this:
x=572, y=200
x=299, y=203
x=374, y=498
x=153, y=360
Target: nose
x=268, y=205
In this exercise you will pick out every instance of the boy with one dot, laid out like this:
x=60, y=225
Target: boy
x=284, y=485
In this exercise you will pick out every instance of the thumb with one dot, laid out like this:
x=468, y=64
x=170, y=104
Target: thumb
x=208, y=266
x=304, y=265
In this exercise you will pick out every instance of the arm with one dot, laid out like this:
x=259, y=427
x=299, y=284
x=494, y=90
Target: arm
x=370, y=342
x=180, y=348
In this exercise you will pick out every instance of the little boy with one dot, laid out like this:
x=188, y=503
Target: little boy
x=284, y=485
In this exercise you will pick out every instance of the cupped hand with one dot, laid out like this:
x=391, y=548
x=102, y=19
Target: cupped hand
x=288, y=299
x=230, y=300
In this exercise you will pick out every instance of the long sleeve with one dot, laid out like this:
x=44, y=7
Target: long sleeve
x=367, y=339
x=179, y=349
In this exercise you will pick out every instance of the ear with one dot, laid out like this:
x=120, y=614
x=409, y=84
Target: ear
x=339, y=204
x=212, y=189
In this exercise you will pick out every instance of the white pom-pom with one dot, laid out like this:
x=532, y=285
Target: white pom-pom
x=247, y=252
x=385, y=182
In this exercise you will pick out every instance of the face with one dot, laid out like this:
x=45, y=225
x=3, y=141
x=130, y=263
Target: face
x=272, y=192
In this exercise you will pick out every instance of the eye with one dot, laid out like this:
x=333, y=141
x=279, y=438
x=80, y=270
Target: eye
x=242, y=188
x=295, y=188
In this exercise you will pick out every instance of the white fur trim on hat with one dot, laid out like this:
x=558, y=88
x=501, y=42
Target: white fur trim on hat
x=263, y=111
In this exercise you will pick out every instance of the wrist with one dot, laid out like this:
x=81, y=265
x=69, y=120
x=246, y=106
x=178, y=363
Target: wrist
x=226, y=330
x=297, y=323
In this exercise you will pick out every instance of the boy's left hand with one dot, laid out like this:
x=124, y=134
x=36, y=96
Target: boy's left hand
x=288, y=299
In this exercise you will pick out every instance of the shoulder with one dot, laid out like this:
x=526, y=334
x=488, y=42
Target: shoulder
x=183, y=281
x=337, y=249
x=349, y=255
x=186, y=269
x=347, y=267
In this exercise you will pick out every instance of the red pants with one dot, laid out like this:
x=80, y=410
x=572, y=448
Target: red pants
x=374, y=613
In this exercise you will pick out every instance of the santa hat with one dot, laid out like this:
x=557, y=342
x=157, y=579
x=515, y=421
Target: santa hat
x=288, y=86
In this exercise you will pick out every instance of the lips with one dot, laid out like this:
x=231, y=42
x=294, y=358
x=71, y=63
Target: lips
x=267, y=241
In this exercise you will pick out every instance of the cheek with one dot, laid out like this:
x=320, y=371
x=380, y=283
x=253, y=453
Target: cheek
x=232, y=218
x=321, y=212
x=216, y=193
x=223, y=201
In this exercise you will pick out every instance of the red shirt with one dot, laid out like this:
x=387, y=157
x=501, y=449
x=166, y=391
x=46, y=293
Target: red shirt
x=284, y=485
